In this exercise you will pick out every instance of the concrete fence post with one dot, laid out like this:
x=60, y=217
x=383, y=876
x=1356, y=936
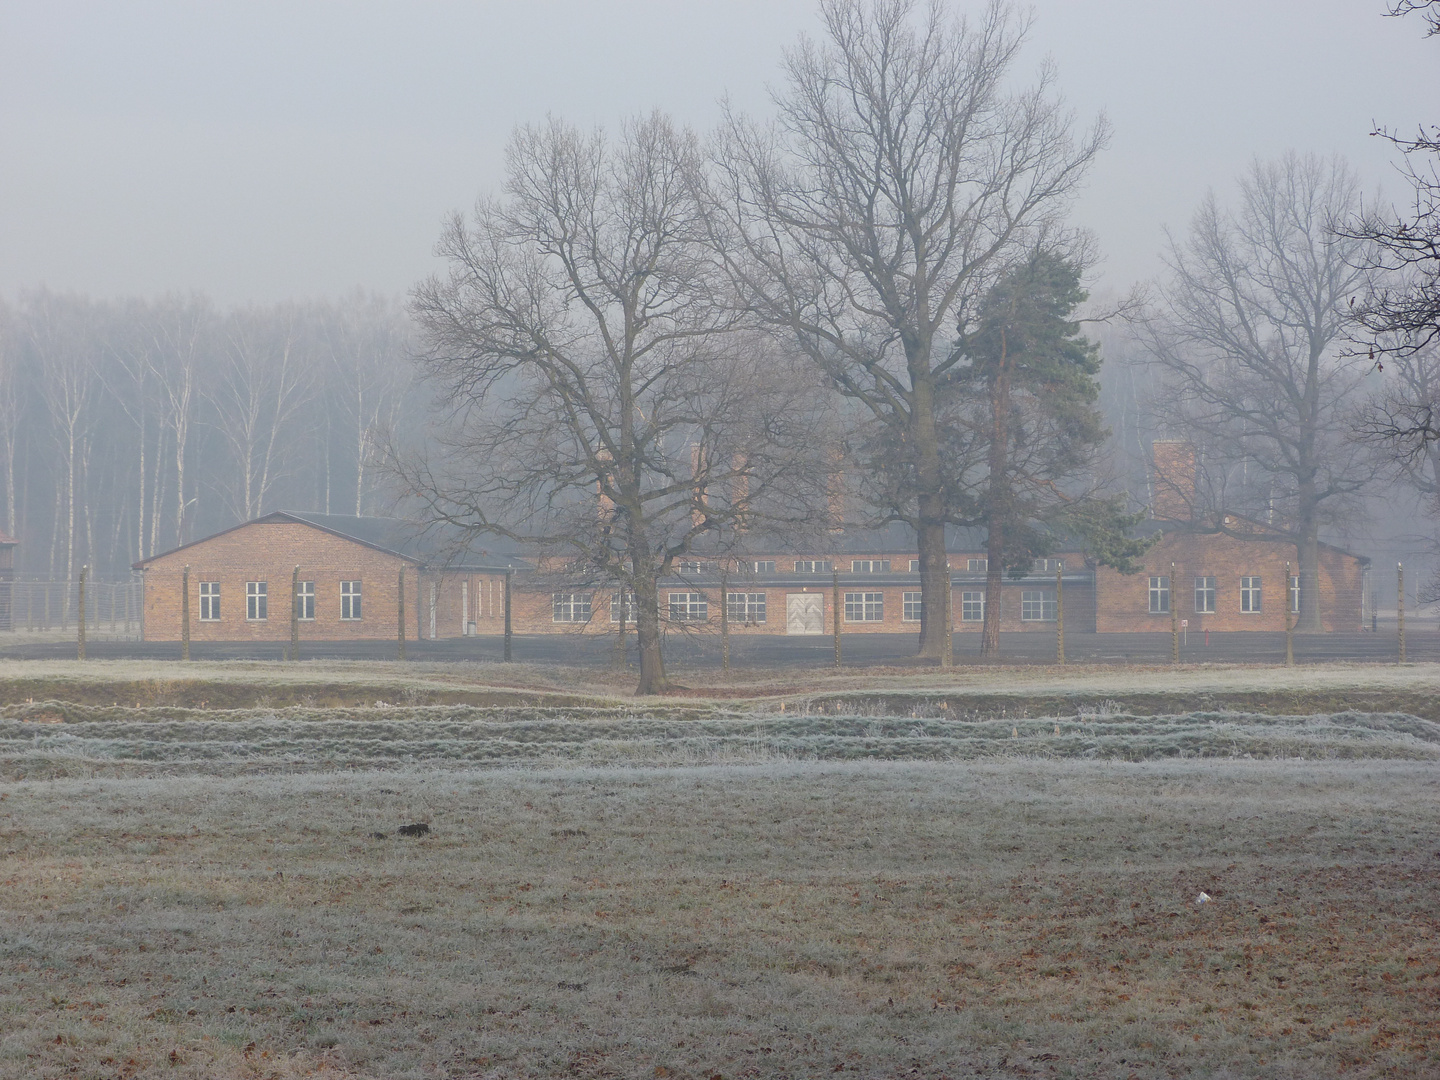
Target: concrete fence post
x=509, y=629
x=1289, y=623
x=80, y=638
x=725, y=617
x=1174, y=619
x=295, y=614
x=1060, y=614
x=1400, y=606
x=185, y=614
x=400, y=615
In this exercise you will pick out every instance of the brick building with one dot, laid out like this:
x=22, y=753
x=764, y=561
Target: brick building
x=351, y=571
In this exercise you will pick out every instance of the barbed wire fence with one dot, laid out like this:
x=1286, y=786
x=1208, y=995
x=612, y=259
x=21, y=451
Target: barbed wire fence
x=40, y=606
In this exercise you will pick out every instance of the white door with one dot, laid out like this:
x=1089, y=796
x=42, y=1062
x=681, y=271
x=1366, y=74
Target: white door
x=804, y=613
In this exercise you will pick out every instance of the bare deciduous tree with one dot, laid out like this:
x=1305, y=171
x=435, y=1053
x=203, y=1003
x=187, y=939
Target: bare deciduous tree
x=1248, y=342
x=1402, y=423
x=10, y=410
x=602, y=407
x=369, y=354
x=266, y=380
x=902, y=171
x=67, y=342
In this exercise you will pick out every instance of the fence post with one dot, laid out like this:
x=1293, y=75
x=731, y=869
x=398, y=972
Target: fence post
x=835, y=603
x=1289, y=623
x=295, y=614
x=623, y=610
x=509, y=577
x=1060, y=614
x=725, y=617
x=1400, y=606
x=185, y=614
x=1174, y=619
x=80, y=638
x=400, y=614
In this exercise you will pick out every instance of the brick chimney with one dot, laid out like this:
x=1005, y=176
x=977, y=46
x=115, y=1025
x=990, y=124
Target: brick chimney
x=1172, y=480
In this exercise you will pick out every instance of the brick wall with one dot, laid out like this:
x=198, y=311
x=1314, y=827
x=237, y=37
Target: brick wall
x=1123, y=601
x=268, y=552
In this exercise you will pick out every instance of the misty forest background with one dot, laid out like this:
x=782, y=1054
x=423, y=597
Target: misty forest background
x=131, y=426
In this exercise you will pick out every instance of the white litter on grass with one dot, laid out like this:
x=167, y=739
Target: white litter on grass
x=1203, y=898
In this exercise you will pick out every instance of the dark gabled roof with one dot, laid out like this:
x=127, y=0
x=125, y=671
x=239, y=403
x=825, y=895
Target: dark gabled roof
x=427, y=549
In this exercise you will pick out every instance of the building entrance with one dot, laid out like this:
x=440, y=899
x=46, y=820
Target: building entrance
x=804, y=613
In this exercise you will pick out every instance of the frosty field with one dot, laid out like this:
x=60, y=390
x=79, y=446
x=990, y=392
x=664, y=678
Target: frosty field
x=927, y=876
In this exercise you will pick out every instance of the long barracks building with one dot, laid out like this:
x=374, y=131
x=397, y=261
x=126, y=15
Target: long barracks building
x=355, y=575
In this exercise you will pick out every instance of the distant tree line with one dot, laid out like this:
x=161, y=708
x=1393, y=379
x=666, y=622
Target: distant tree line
x=129, y=427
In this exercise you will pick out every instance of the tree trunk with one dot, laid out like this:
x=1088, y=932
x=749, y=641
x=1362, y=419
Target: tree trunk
x=930, y=526
x=647, y=636
x=934, y=581
x=994, y=579
x=997, y=500
x=1307, y=550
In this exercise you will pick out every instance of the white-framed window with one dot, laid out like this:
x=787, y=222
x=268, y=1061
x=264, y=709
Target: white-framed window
x=689, y=566
x=349, y=600
x=864, y=607
x=1250, y=595
x=209, y=601
x=1294, y=594
x=870, y=566
x=256, y=601
x=305, y=600
x=756, y=566
x=625, y=603
x=1038, y=605
x=915, y=566
x=912, y=606
x=972, y=607
x=745, y=607
x=689, y=607
x=1205, y=595
x=1159, y=595
x=571, y=607
x=1046, y=566
x=977, y=566
x=812, y=566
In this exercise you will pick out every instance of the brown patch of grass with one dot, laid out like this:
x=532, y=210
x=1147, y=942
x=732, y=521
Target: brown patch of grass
x=1020, y=918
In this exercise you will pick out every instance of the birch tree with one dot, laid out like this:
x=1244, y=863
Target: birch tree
x=265, y=382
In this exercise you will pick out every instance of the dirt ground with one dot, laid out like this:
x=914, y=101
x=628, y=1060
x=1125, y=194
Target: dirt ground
x=1015, y=918
x=197, y=891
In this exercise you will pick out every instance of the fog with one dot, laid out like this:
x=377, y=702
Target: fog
x=270, y=154
x=270, y=150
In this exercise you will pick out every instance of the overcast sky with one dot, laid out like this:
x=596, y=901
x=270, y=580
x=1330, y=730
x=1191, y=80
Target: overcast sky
x=259, y=149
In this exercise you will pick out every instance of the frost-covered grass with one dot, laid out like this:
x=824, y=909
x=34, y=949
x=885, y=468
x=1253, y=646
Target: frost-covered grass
x=1000, y=918
x=426, y=679
x=48, y=740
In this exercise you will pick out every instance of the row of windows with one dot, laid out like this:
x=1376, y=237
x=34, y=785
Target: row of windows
x=1206, y=593
x=257, y=601
x=857, y=566
x=1036, y=605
